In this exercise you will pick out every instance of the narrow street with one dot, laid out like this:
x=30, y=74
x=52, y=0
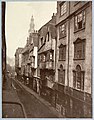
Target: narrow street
x=34, y=108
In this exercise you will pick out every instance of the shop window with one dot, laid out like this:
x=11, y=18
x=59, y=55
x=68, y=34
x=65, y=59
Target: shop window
x=78, y=78
x=62, y=31
x=63, y=8
x=79, y=49
x=61, y=75
x=62, y=52
x=79, y=21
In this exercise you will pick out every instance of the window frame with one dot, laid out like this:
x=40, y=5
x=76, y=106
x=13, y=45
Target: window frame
x=83, y=12
x=63, y=75
x=81, y=80
x=62, y=50
x=64, y=8
x=41, y=41
x=62, y=33
x=81, y=49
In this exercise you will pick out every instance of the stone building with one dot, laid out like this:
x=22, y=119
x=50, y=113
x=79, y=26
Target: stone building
x=29, y=55
x=33, y=59
x=25, y=68
x=74, y=58
x=46, y=58
x=18, y=59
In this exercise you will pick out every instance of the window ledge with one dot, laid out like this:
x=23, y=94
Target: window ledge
x=75, y=31
x=60, y=83
x=79, y=59
x=62, y=37
x=62, y=60
x=78, y=89
x=63, y=14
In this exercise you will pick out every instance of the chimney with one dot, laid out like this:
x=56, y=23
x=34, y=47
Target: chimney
x=54, y=15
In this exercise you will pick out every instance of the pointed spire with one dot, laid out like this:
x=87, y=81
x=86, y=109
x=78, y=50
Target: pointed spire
x=32, y=25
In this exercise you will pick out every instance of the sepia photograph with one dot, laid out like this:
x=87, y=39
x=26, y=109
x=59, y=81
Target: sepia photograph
x=46, y=59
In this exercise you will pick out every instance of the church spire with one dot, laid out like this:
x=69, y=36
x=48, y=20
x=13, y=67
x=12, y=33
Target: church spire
x=32, y=25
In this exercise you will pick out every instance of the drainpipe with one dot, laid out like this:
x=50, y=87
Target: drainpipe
x=68, y=48
x=68, y=108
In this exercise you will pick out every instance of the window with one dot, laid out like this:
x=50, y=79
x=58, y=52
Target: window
x=63, y=8
x=78, y=78
x=62, y=30
x=80, y=21
x=62, y=52
x=61, y=75
x=42, y=58
x=79, y=49
x=51, y=55
x=47, y=36
x=42, y=41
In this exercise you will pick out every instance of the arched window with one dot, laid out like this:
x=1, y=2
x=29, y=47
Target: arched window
x=62, y=52
x=78, y=78
x=61, y=75
x=79, y=49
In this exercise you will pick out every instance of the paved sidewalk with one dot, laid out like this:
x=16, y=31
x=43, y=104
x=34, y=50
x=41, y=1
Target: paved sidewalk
x=41, y=99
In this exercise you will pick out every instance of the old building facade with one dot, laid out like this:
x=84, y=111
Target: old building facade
x=58, y=59
x=74, y=65
x=33, y=56
x=29, y=57
x=18, y=59
x=46, y=57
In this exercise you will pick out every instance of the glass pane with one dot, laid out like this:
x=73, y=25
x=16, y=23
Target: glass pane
x=80, y=17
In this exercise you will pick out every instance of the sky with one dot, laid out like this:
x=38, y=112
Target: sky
x=18, y=15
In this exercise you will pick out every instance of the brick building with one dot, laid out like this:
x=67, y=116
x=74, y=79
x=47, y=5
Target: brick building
x=74, y=58
x=46, y=57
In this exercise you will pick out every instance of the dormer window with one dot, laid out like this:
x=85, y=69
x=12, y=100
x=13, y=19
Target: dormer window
x=48, y=36
x=42, y=41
